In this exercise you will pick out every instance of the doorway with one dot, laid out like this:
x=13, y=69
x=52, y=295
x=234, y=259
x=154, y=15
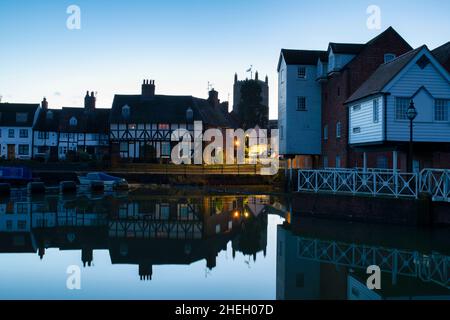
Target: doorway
x=11, y=151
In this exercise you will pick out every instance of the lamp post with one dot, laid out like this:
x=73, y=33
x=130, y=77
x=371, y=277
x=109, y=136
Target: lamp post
x=411, y=113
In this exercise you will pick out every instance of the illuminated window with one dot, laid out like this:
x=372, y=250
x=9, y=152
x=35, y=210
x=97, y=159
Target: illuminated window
x=163, y=126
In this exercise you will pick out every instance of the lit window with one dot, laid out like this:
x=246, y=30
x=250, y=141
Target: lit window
x=376, y=111
x=441, y=110
x=401, y=106
x=301, y=72
x=163, y=126
x=301, y=103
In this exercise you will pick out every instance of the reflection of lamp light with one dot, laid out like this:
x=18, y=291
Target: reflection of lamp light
x=246, y=214
x=236, y=143
x=236, y=214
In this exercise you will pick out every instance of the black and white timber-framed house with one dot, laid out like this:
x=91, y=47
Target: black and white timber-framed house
x=141, y=125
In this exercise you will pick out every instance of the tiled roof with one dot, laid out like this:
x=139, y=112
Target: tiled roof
x=9, y=111
x=302, y=57
x=442, y=54
x=383, y=75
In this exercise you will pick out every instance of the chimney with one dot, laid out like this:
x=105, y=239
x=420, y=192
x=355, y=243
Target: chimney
x=89, y=101
x=148, y=89
x=213, y=98
x=44, y=104
x=256, y=75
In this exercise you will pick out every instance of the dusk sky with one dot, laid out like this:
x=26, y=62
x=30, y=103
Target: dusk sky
x=182, y=44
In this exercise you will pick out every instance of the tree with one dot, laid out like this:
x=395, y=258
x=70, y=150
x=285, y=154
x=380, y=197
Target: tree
x=251, y=111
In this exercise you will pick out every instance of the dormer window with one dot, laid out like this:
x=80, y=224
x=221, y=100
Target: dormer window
x=21, y=117
x=189, y=115
x=389, y=57
x=73, y=121
x=49, y=115
x=126, y=111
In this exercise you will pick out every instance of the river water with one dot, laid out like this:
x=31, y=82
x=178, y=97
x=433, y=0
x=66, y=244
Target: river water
x=193, y=244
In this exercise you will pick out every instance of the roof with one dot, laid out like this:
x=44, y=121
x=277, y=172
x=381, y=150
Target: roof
x=442, y=54
x=96, y=121
x=167, y=109
x=48, y=123
x=8, y=113
x=302, y=57
x=346, y=48
x=383, y=75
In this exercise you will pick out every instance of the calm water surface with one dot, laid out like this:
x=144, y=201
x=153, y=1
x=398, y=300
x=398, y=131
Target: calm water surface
x=202, y=246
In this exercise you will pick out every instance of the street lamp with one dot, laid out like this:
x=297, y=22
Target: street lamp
x=411, y=113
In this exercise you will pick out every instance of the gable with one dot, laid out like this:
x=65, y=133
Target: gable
x=422, y=71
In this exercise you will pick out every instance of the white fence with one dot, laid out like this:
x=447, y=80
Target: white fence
x=435, y=182
x=375, y=183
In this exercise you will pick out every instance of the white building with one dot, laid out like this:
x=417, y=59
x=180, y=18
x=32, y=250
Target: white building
x=377, y=110
x=16, y=130
x=299, y=105
x=59, y=133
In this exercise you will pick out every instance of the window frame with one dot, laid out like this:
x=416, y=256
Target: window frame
x=301, y=75
x=376, y=111
x=305, y=107
x=338, y=130
x=407, y=100
x=444, y=112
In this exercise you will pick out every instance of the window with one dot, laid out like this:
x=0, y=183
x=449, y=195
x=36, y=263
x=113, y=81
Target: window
x=325, y=161
x=11, y=133
x=21, y=224
x=163, y=126
x=325, y=132
x=281, y=133
x=382, y=162
x=338, y=161
x=282, y=76
x=338, y=130
x=389, y=57
x=23, y=149
x=132, y=126
x=401, y=106
x=301, y=72
x=73, y=121
x=124, y=147
x=21, y=117
x=23, y=133
x=165, y=148
x=376, y=111
x=357, y=107
x=301, y=103
x=43, y=135
x=357, y=130
x=126, y=111
x=441, y=110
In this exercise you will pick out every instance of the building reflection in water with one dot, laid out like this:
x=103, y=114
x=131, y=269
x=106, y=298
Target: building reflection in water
x=319, y=259
x=139, y=230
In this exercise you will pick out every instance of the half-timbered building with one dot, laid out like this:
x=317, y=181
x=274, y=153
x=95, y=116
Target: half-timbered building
x=141, y=125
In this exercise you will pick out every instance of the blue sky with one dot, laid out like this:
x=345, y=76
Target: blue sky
x=182, y=44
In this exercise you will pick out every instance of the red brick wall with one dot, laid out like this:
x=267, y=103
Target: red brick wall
x=341, y=86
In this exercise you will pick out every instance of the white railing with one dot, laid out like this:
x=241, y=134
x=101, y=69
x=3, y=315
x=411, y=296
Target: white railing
x=377, y=182
x=382, y=183
x=432, y=267
x=436, y=182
